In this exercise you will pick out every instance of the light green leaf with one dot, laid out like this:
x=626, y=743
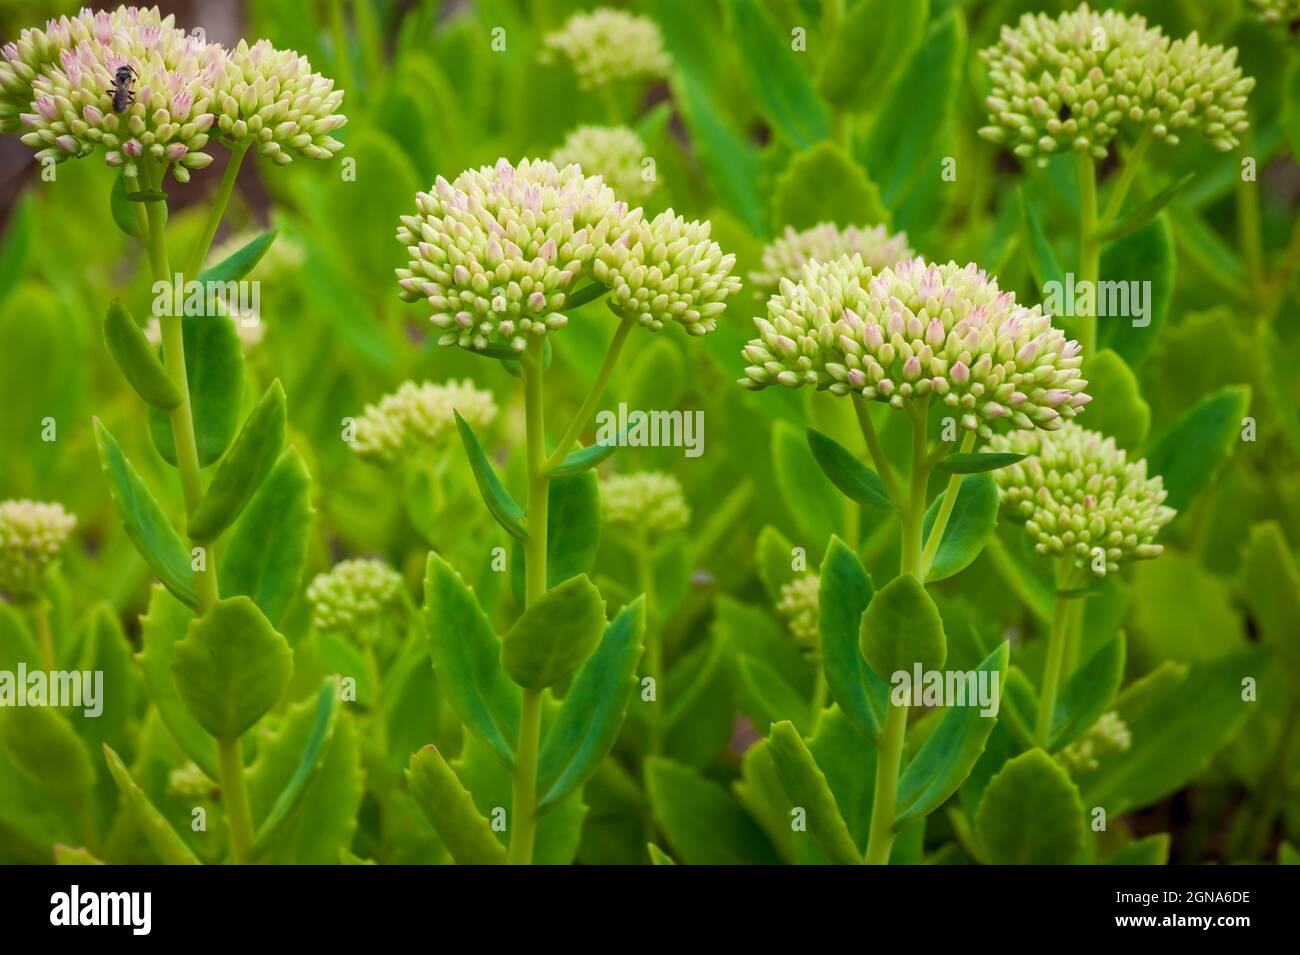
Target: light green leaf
x=1042, y=257
x=973, y=518
x=1031, y=813
x=237, y=265
x=503, y=507
x=1143, y=263
x=242, y=470
x=144, y=522
x=162, y=838
x=814, y=503
x=1153, y=850
x=806, y=787
x=589, y=719
x=901, y=628
x=552, y=638
x=136, y=359
x=1190, y=450
x=161, y=629
x=658, y=856
x=450, y=809
x=231, y=668
x=823, y=184
x=467, y=659
x=47, y=750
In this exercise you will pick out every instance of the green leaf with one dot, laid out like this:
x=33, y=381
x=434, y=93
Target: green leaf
x=162, y=838
x=231, y=668
x=313, y=757
x=971, y=523
x=144, y=522
x=585, y=295
x=1031, y=813
x=958, y=463
x=1179, y=717
x=1136, y=218
x=845, y=593
x=854, y=479
x=237, y=265
x=467, y=659
x=450, y=809
x=214, y=369
x=1042, y=257
x=1190, y=450
x=572, y=533
x=817, y=509
x=911, y=122
x=1089, y=692
x=47, y=750
x=902, y=628
x=583, y=459
x=822, y=184
x=589, y=719
x=1117, y=408
x=136, y=359
x=147, y=195
x=890, y=30
x=265, y=551
x=658, y=856
x=124, y=211
x=805, y=785
x=65, y=855
x=782, y=89
x=944, y=761
x=774, y=561
x=552, y=638
x=1271, y=589
x=702, y=821
x=1146, y=257
x=244, y=469
x=767, y=695
x=1153, y=850
x=1291, y=104
x=161, y=629
x=503, y=507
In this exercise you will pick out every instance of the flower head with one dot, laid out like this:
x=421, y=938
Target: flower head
x=916, y=331
x=189, y=782
x=668, y=269
x=1073, y=82
x=1081, y=497
x=271, y=99
x=32, y=535
x=787, y=254
x=614, y=153
x=650, y=501
x=800, y=607
x=1109, y=734
x=1277, y=11
x=417, y=417
x=606, y=45
x=352, y=595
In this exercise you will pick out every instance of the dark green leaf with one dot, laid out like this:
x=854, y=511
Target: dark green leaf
x=552, y=638
x=817, y=509
x=1135, y=219
x=1089, y=692
x=902, y=628
x=702, y=821
x=214, y=370
x=1117, y=409
x=1042, y=257
x=973, y=517
x=583, y=459
x=845, y=594
x=890, y=30
x=854, y=479
x=137, y=360
x=237, y=265
x=503, y=507
x=1031, y=813
x=1145, y=256
x=161, y=629
x=958, y=463
x=1190, y=450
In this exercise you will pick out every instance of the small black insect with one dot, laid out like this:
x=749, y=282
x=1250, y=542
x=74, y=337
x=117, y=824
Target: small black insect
x=121, y=88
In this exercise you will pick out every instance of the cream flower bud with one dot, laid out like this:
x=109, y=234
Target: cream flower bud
x=800, y=607
x=1277, y=11
x=32, y=535
x=1108, y=735
x=1074, y=82
x=351, y=596
x=1081, y=498
x=614, y=153
x=648, y=501
x=417, y=418
x=789, y=253
x=606, y=45
x=940, y=332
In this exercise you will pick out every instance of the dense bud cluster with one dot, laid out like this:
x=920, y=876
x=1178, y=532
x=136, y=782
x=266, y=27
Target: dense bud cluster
x=352, y=595
x=649, y=501
x=32, y=535
x=800, y=607
x=615, y=153
x=787, y=254
x=607, y=45
x=417, y=417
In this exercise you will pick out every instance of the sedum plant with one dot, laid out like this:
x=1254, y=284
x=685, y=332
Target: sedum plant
x=499, y=254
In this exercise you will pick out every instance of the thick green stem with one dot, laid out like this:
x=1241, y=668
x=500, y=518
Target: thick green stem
x=913, y=516
x=1055, y=670
x=1089, y=249
x=945, y=509
x=182, y=419
x=593, y=397
x=524, y=808
x=40, y=609
x=216, y=212
x=889, y=760
x=234, y=795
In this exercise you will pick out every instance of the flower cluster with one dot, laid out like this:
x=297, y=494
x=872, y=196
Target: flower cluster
x=190, y=784
x=352, y=595
x=1072, y=83
x=787, y=254
x=1277, y=11
x=32, y=535
x=606, y=45
x=58, y=84
x=1081, y=497
x=1109, y=734
x=800, y=607
x=417, y=417
x=668, y=269
x=614, y=153
x=497, y=253
x=650, y=501
x=915, y=331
